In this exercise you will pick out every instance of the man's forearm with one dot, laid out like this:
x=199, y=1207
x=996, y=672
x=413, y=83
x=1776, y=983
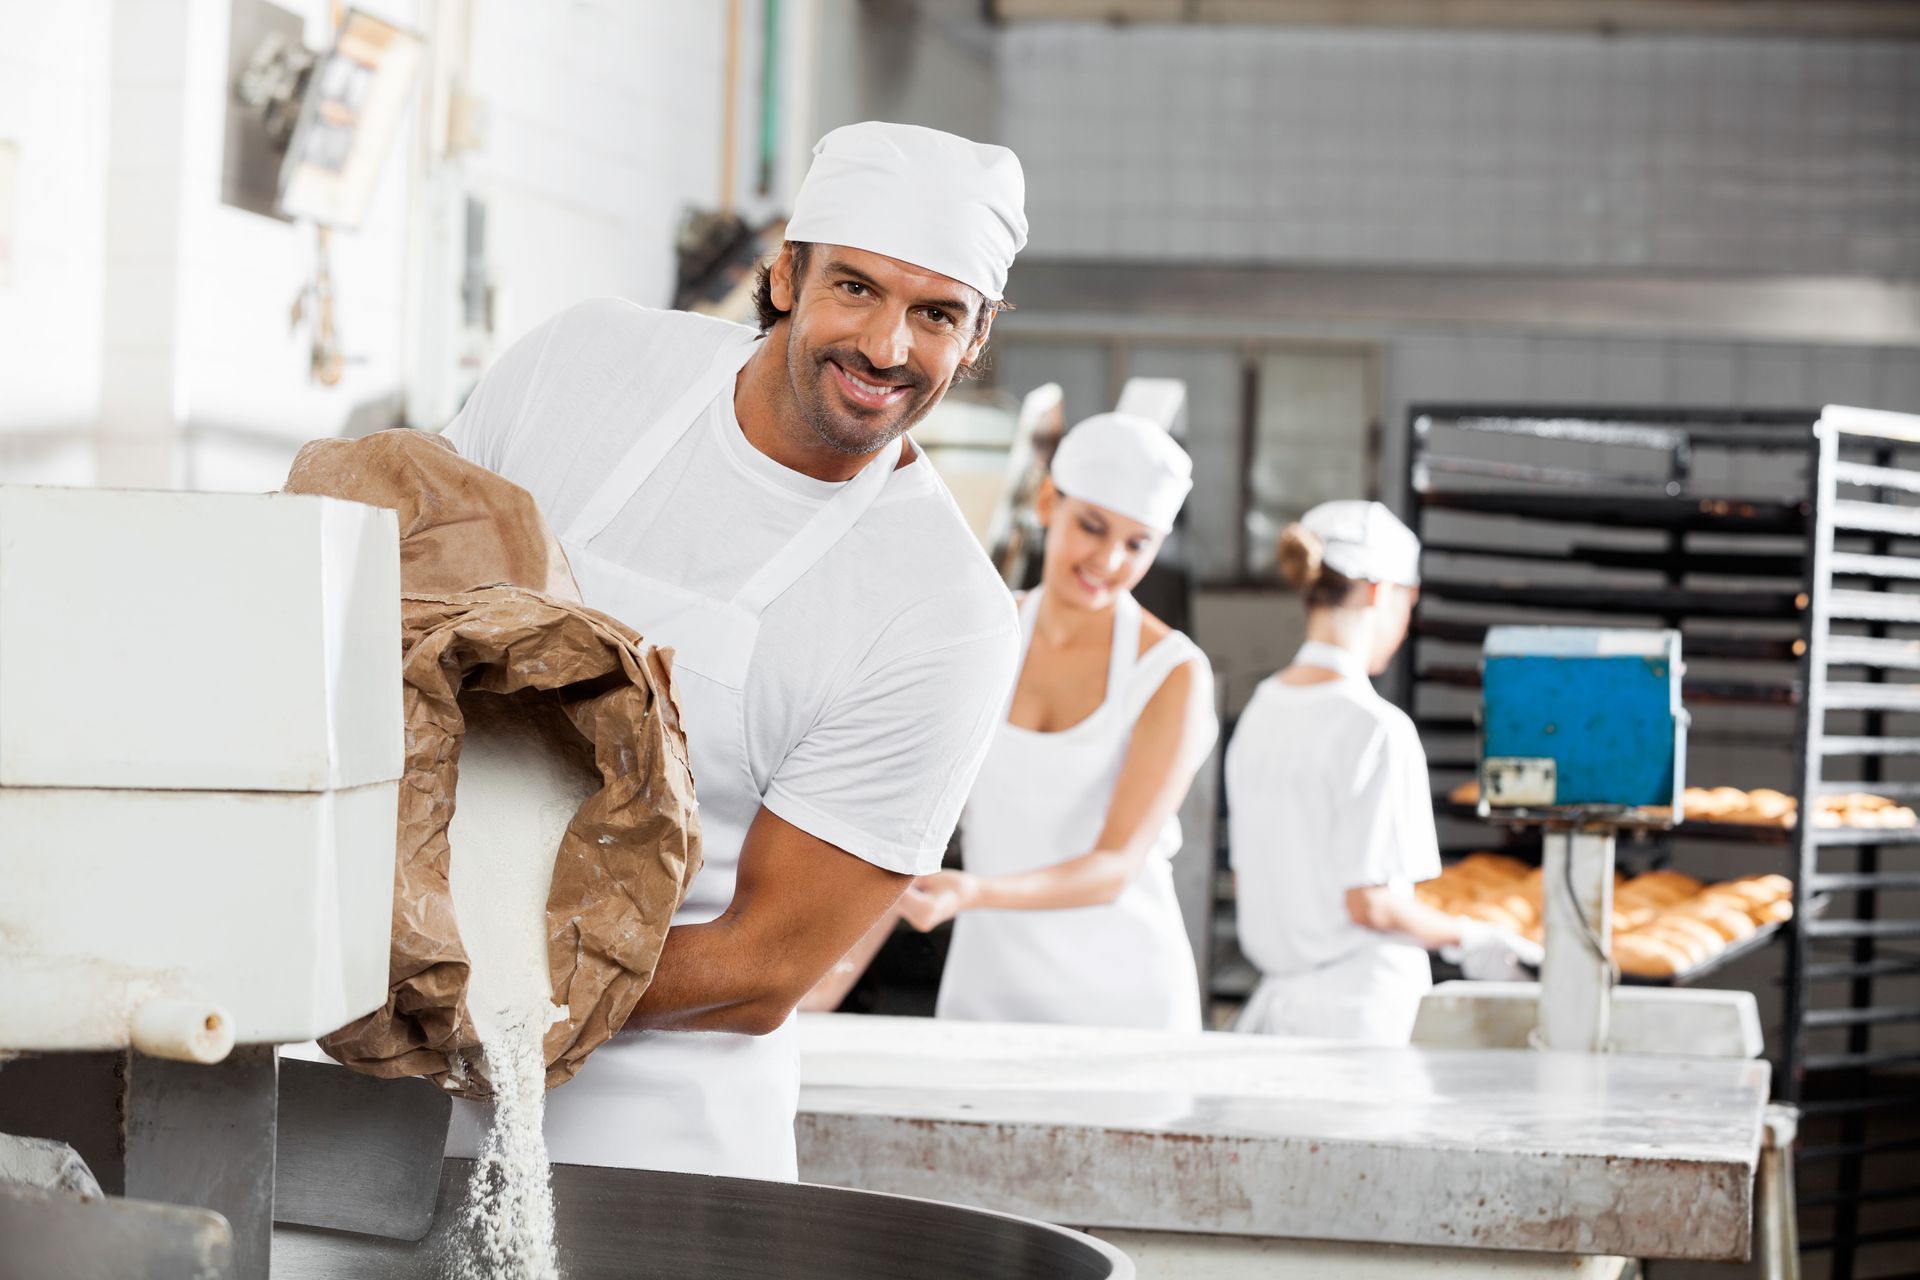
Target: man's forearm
x=798, y=905
x=706, y=981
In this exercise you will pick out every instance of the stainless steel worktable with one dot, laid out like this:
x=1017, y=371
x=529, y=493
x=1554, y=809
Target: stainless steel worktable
x=1249, y=1136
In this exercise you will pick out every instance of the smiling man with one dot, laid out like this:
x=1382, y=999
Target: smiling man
x=842, y=647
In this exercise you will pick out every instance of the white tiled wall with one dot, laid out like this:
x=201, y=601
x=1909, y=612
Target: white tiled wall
x=53, y=109
x=1195, y=143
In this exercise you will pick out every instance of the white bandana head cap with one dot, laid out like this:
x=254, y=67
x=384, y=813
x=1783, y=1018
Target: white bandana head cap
x=1126, y=464
x=928, y=198
x=1365, y=542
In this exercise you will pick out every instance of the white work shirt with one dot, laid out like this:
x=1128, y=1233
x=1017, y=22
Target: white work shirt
x=878, y=677
x=1327, y=791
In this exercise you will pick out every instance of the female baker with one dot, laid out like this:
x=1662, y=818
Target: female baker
x=1066, y=910
x=1330, y=809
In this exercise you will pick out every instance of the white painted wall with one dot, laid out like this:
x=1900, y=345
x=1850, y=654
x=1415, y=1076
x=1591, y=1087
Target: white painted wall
x=53, y=108
x=148, y=322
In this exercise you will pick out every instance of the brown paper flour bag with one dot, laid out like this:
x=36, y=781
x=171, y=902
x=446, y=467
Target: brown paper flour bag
x=589, y=683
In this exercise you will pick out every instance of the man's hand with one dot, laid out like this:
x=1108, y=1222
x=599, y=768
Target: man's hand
x=799, y=904
x=933, y=900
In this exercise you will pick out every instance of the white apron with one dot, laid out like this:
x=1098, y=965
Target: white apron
x=1042, y=798
x=1370, y=995
x=697, y=1102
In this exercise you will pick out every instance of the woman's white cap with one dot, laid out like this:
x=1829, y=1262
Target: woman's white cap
x=1365, y=542
x=1127, y=464
x=929, y=198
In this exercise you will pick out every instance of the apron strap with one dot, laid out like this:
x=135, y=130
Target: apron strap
x=1123, y=651
x=830, y=524
x=627, y=475
x=1029, y=616
x=1125, y=647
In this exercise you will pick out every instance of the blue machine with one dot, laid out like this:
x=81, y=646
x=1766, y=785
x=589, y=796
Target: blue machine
x=1581, y=716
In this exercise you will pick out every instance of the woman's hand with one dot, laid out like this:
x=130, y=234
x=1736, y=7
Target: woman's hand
x=933, y=900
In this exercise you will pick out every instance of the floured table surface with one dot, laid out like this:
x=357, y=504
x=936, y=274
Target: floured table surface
x=1245, y=1135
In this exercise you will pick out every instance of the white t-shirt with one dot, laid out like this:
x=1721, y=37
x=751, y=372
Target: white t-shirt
x=1327, y=791
x=878, y=676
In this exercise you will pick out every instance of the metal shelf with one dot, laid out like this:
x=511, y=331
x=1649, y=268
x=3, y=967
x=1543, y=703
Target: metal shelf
x=1841, y=995
x=1735, y=564
x=1630, y=511
x=1873, y=606
x=1830, y=608
x=1731, y=692
x=1847, y=695
x=1694, y=643
x=1842, y=881
x=1842, y=837
x=1655, y=601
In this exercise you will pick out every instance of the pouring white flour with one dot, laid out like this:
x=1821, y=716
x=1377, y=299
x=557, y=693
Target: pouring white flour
x=517, y=790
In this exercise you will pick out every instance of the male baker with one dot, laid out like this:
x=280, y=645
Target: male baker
x=842, y=647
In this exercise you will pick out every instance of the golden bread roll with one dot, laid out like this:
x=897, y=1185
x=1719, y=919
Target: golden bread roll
x=1730, y=923
x=1698, y=802
x=1721, y=801
x=1669, y=881
x=1775, y=886
x=1478, y=876
x=1747, y=891
x=1627, y=921
x=1726, y=900
x=1770, y=804
x=1776, y=912
x=1466, y=793
x=1894, y=816
x=1699, y=930
x=1492, y=866
x=1535, y=933
x=1492, y=915
x=1647, y=957
x=1517, y=906
x=1758, y=818
x=1687, y=944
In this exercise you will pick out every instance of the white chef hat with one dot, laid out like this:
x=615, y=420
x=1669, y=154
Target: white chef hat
x=929, y=198
x=1365, y=542
x=1127, y=464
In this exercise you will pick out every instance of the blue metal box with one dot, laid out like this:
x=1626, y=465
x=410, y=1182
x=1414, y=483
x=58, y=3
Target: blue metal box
x=1587, y=716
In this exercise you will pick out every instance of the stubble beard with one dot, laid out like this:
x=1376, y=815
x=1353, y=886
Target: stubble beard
x=850, y=433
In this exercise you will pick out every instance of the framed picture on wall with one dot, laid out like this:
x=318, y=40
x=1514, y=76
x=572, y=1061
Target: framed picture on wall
x=355, y=103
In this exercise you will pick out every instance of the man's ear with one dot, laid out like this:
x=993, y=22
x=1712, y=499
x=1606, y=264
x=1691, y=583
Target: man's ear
x=1370, y=593
x=979, y=343
x=780, y=281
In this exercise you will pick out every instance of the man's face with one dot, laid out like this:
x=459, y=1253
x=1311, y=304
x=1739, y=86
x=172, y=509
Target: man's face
x=872, y=342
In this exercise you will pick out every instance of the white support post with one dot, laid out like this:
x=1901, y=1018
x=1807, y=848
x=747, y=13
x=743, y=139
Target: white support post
x=1576, y=978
